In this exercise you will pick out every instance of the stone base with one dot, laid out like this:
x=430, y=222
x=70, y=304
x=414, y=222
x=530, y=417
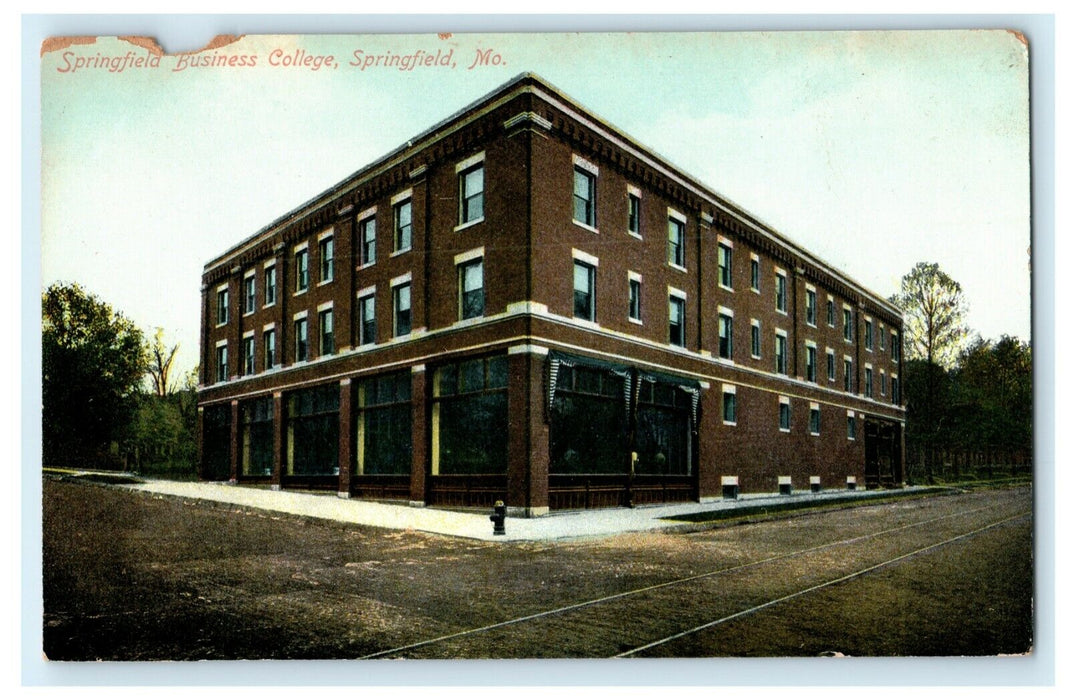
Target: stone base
x=344, y=494
x=416, y=504
x=521, y=512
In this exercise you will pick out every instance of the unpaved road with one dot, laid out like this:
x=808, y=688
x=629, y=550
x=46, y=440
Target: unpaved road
x=130, y=576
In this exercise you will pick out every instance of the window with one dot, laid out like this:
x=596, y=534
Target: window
x=472, y=297
x=326, y=260
x=894, y=347
x=300, y=262
x=250, y=294
x=831, y=312
x=781, y=353
x=471, y=392
x=851, y=426
x=311, y=424
x=583, y=285
x=248, y=355
x=784, y=414
x=868, y=334
x=300, y=338
x=384, y=425
x=811, y=307
x=814, y=419
x=634, y=299
x=675, y=242
x=222, y=306
x=831, y=366
x=583, y=197
x=729, y=405
x=402, y=226
x=848, y=374
x=810, y=363
x=755, y=339
x=883, y=337
x=781, y=292
x=471, y=194
x=676, y=321
x=868, y=382
x=402, y=310
x=367, y=320
x=724, y=265
x=755, y=274
x=326, y=332
x=367, y=241
x=220, y=363
x=270, y=285
x=848, y=323
x=883, y=383
x=269, y=349
x=257, y=443
x=726, y=335
x=633, y=205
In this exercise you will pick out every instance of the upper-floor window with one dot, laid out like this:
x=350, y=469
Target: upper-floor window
x=831, y=313
x=755, y=274
x=895, y=392
x=270, y=285
x=831, y=366
x=634, y=299
x=781, y=353
x=675, y=242
x=810, y=363
x=583, y=286
x=634, y=203
x=248, y=362
x=781, y=292
x=402, y=225
x=848, y=323
x=326, y=332
x=726, y=329
x=367, y=319
x=868, y=382
x=883, y=383
x=368, y=236
x=471, y=194
x=326, y=259
x=220, y=363
x=755, y=339
x=785, y=414
x=894, y=347
x=583, y=193
x=269, y=349
x=222, y=306
x=300, y=265
x=250, y=294
x=848, y=374
x=729, y=405
x=402, y=310
x=883, y=337
x=868, y=334
x=676, y=320
x=811, y=307
x=723, y=264
x=851, y=426
x=300, y=339
x=472, y=296
x=814, y=420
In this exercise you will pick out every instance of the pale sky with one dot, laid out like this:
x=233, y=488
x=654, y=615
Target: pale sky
x=872, y=150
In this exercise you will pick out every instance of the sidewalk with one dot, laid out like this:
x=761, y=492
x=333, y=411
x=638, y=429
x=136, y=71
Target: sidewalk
x=555, y=526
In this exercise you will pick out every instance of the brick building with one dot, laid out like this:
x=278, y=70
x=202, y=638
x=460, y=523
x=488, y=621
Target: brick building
x=523, y=303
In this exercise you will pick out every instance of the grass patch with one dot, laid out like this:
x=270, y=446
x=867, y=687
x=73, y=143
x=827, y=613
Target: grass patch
x=784, y=506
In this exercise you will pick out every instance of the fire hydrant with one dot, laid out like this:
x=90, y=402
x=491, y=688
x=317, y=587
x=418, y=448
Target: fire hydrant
x=498, y=518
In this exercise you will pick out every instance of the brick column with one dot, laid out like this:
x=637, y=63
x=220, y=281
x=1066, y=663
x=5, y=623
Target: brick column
x=421, y=436
x=708, y=472
x=276, y=468
x=235, y=434
x=528, y=448
x=200, y=442
x=345, y=454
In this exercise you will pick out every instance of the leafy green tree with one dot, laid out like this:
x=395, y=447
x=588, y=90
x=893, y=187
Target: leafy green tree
x=93, y=362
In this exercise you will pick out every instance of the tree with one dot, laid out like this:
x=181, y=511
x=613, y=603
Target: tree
x=160, y=359
x=93, y=362
x=934, y=308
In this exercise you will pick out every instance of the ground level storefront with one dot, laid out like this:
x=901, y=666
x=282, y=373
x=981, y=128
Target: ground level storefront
x=541, y=430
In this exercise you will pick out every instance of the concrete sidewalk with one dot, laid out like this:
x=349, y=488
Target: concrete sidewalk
x=555, y=526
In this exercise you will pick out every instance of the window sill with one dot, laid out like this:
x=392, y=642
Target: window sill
x=785, y=430
x=730, y=422
x=300, y=292
x=468, y=224
x=755, y=290
x=324, y=282
x=401, y=252
x=782, y=311
x=220, y=325
x=635, y=234
x=636, y=321
x=726, y=289
x=676, y=267
x=365, y=266
x=588, y=227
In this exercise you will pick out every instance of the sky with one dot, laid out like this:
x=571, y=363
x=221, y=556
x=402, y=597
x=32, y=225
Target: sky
x=872, y=150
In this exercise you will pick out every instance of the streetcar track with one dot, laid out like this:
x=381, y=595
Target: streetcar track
x=817, y=587
x=668, y=584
